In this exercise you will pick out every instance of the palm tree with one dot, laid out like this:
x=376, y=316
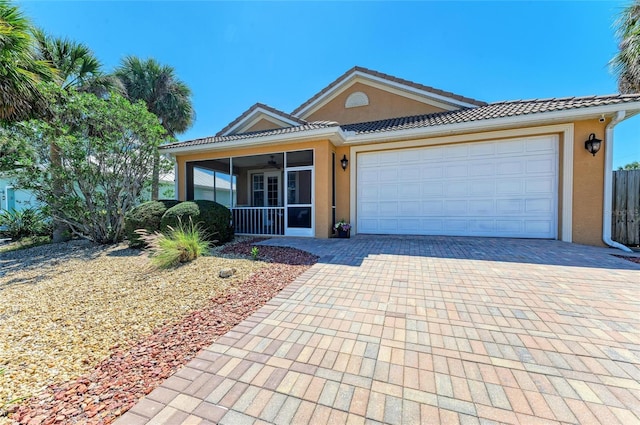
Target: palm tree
x=626, y=64
x=77, y=69
x=76, y=64
x=21, y=70
x=164, y=94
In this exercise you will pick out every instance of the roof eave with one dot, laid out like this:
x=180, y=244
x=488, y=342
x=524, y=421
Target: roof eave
x=494, y=124
x=334, y=134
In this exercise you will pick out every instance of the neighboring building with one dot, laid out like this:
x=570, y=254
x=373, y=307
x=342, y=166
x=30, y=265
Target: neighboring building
x=13, y=198
x=208, y=185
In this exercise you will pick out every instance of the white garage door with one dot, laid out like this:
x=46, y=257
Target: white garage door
x=501, y=188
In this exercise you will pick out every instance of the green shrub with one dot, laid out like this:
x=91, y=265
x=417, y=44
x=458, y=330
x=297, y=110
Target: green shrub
x=180, y=244
x=215, y=220
x=25, y=223
x=146, y=216
x=180, y=213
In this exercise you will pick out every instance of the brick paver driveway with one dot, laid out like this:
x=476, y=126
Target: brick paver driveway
x=426, y=330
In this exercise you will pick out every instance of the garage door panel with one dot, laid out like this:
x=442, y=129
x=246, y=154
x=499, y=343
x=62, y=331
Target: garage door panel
x=482, y=169
x=509, y=187
x=390, y=158
x=482, y=188
x=388, y=191
x=408, y=190
x=370, y=177
x=409, y=208
x=387, y=174
x=455, y=208
x=511, y=147
x=501, y=188
x=432, y=208
x=456, y=189
x=456, y=170
x=547, y=145
x=456, y=226
x=540, y=165
x=509, y=227
x=509, y=206
x=369, y=192
x=432, y=155
x=482, y=226
x=510, y=167
x=432, y=190
x=431, y=172
x=540, y=185
x=409, y=173
x=533, y=206
x=541, y=227
x=485, y=207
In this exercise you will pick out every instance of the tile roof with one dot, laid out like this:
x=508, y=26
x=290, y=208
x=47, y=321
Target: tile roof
x=491, y=111
x=254, y=134
x=389, y=78
x=263, y=106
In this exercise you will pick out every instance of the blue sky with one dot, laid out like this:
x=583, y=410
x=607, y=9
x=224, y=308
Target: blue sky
x=233, y=54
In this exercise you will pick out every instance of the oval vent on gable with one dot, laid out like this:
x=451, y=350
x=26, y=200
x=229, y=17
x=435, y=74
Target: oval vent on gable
x=356, y=99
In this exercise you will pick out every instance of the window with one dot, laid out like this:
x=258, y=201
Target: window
x=258, y=190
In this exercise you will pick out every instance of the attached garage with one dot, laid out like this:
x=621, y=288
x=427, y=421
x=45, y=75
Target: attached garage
x=505, y=188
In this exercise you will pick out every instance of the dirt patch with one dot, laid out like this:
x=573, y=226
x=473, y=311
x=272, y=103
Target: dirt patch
x=102, y=392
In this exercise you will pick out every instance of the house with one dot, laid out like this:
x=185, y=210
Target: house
x=397, y=157
x=14, y=198
x=207, y=184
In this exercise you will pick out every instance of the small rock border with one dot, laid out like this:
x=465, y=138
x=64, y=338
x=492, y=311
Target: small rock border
x=118, y=382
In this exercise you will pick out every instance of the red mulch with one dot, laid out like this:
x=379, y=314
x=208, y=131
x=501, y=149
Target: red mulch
x=632, y=259
x=119, y=381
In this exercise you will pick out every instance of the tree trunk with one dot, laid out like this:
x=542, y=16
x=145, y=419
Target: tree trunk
x=155, y=176
x=61, y=232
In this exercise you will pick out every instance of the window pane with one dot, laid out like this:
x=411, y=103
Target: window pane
x=299, y=217
x=299, y=158
x=299, y=187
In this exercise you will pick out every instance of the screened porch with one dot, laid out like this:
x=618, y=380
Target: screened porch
x=268, y=194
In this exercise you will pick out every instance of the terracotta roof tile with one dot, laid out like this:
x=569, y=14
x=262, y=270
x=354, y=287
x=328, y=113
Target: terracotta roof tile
x=490, y=111
x=263, y=106
x=486, y=112
x=254, y=134
x=389, y=78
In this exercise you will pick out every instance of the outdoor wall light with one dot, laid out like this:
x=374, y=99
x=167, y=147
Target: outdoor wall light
x=344, y=162
x=592, y=144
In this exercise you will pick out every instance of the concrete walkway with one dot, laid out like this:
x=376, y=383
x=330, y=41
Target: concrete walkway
x=425, y=330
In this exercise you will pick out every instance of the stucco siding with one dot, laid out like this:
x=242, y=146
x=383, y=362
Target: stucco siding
x=382, y=105
x=588, y=185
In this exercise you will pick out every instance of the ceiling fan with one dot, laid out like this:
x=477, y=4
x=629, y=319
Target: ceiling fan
x=272, y=163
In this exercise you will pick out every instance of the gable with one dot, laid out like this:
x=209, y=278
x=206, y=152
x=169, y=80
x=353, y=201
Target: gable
x=362, y=94
x=261, y=122
x=260, y=117
x=361, y=102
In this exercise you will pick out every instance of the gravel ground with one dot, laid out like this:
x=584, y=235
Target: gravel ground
x=66, y=308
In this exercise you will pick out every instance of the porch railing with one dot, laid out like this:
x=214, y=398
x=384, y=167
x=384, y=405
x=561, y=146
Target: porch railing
x=258, y=220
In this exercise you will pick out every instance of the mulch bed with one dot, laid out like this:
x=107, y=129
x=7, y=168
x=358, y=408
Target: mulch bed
x=632, y=259
x=118, y=382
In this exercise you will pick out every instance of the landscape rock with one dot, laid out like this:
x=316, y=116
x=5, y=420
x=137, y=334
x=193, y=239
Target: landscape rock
x=131, y=370
x=228, y=272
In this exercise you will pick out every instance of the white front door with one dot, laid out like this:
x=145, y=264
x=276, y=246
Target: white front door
x=505, y=188
x=299, y=219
